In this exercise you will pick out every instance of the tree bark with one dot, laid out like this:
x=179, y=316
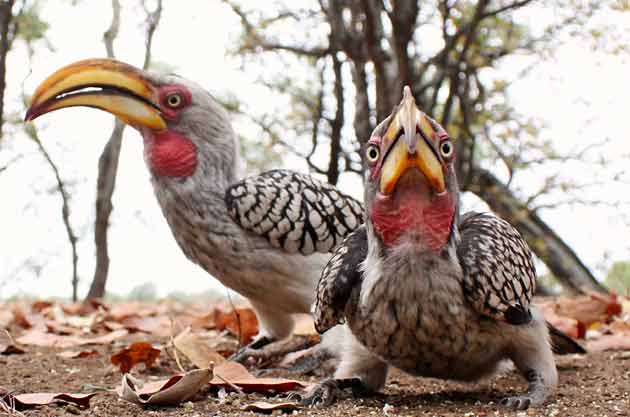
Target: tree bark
x=561, y=260
x=108, y=161
x=5, y=44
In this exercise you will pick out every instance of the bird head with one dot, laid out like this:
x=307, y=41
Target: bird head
x=180, y=122
x=410, y=185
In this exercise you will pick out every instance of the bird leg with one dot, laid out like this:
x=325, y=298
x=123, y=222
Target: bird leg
x=330, y=390
x=532, y=356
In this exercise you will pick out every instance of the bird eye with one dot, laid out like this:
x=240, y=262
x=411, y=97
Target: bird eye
x=372, y=154
x=174, y=100
x=446, y=148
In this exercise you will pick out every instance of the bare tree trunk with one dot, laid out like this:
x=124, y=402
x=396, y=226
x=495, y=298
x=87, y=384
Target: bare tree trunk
x=65, y=208
x=108, y=161
x=5, y=44
x=561, y=260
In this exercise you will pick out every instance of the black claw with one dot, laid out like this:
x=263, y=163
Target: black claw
x=517, y=403
x=327, y=392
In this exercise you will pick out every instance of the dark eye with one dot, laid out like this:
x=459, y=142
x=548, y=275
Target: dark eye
x=372, y=154
x=446, y=149
x=174, y=100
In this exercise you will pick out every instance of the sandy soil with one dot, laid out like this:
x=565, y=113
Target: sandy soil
x=592, y=385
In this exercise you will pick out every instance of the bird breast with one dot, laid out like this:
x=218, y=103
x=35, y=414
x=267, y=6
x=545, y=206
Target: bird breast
x=414, y=316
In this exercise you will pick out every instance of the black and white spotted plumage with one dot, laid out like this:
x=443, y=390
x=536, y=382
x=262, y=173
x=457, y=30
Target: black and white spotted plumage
x=293, y=211
x=499, y=277
x=341, y=274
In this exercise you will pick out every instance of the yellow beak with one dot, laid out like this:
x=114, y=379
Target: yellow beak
x=407, y=145
x=112, y=86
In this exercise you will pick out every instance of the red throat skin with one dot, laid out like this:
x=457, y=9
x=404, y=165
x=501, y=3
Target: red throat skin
x=170, y=154
x=412, y=214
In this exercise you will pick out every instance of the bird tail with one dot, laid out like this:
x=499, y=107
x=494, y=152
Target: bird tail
x=561, y=343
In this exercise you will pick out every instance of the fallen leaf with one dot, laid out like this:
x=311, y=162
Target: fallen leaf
x=198, y=352
x=6, y=319
x=236, y=374
x=609, y=342
x=176, y=389
x=73, y=354
x=8, y=345
x=267, y=407
x=240, y=321
x=590, y=308
x=158, y=325
x=139, y=352
x=21, y=401
x=41, y=305
x=36, y=337
x=304, y=325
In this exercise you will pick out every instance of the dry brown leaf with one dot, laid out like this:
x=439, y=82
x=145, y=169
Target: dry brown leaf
x=73, y=354
x=267, y=407
x=173, y=391
x=159, y=326
x=8, y=345
x=60, y=328
x=21, y=401
x=37, y=337
x=41, y=305
x=236, y=374
x=198, y=352
x=619, y=326
x=6, y=319
x=588, y=309
x=609, y=342
x=304, y=325
x=139, y=352
x=240, y=321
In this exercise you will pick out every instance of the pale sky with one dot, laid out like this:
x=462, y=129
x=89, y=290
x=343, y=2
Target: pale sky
x=581, y=96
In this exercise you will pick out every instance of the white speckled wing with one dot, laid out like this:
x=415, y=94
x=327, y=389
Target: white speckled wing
x=293, y=211
x=499, y=274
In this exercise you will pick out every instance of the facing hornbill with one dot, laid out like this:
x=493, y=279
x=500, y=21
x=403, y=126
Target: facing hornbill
x=422, y=289
x=266, y=237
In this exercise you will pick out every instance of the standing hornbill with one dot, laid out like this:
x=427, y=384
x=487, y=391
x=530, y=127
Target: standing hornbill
x=267, y=237
x=421, y=288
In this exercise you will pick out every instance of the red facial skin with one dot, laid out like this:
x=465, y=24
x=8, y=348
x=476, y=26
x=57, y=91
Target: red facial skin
x=412, y=211
x=168, y=153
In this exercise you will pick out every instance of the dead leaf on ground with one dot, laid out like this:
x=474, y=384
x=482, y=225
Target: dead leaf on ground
x=36, y=337
x=618, y=341
x=196, y=350
x=173, y=391
x=236, y=374
x=268, y=407
x=304, y=325
x=73, y=354
x=6, y=318
x=240, y=321
x=590, y=308
x=21, y=401
x=8, y=345
x=139, y=352
x=155, y=325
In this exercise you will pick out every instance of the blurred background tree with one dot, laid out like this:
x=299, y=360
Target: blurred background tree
x=331, y=69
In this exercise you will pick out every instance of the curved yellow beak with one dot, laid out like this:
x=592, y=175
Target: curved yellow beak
x=105, y=84
x=408, y=143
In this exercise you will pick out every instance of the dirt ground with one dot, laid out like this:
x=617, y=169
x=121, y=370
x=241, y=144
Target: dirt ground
x=597, y=384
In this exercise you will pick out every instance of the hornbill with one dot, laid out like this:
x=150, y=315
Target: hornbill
x=421, y=288
x=266, y=237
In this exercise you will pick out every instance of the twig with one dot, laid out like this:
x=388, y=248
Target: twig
x=238, y=319
x=172, y=343
x=231, y=385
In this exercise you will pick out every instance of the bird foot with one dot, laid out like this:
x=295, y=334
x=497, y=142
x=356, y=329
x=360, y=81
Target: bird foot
x=517, y=403
x=263, y=351
x=251, y=351
x=329, y=391
x=315, y=359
